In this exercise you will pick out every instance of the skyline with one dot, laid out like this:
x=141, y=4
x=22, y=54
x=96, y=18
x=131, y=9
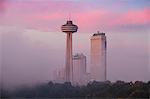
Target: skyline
x=52, y=57
x=25, y=32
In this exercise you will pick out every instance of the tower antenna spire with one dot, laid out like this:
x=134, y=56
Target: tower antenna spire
x=69, y=16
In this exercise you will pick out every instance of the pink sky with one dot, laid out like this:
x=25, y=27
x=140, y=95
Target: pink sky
x=47, y=15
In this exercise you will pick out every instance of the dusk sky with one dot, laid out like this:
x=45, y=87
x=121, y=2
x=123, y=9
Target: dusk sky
x=33, y=46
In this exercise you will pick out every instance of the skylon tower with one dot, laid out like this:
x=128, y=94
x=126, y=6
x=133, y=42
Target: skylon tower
x=69, y=28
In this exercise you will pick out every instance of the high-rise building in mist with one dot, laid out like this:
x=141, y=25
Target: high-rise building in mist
x=79, y=69
x=69, y=28
x=98, y=57
x=58, y=75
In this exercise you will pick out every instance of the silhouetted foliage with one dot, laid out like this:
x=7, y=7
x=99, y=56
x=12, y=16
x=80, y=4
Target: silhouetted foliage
x=4, y=93
x=119, y=89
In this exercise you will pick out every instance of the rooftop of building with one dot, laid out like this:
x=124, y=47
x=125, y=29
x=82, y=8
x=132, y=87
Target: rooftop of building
x=98, y=33
x=78, y=56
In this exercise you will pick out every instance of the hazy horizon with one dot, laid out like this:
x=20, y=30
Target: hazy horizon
x=33, y=46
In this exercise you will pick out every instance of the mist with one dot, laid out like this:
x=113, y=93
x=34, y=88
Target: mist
x=29, y=57
x=25, y=61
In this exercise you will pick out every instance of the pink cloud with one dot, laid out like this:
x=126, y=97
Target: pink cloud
x=2, y=5
x=99, y=19
x=47, y=16
x=85, y=20
x=93, y=17
x=133, y=17
x=52, y=14
x=96, y=19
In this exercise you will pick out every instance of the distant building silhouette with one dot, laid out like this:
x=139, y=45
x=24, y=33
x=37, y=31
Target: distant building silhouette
x=59, y=75
x=98, y=57
x=79, y=70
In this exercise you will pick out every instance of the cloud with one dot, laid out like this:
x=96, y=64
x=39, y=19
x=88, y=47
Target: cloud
x=50, y=15
x=108, y=19
x=133, y=17
x=2, y=5
x=28, y=56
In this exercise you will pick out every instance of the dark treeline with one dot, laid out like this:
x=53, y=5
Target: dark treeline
x=93, y=89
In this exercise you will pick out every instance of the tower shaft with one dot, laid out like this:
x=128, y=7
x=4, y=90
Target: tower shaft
x=69, y=63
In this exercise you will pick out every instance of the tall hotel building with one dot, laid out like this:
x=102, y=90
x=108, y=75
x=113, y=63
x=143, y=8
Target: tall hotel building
x=98, y=57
